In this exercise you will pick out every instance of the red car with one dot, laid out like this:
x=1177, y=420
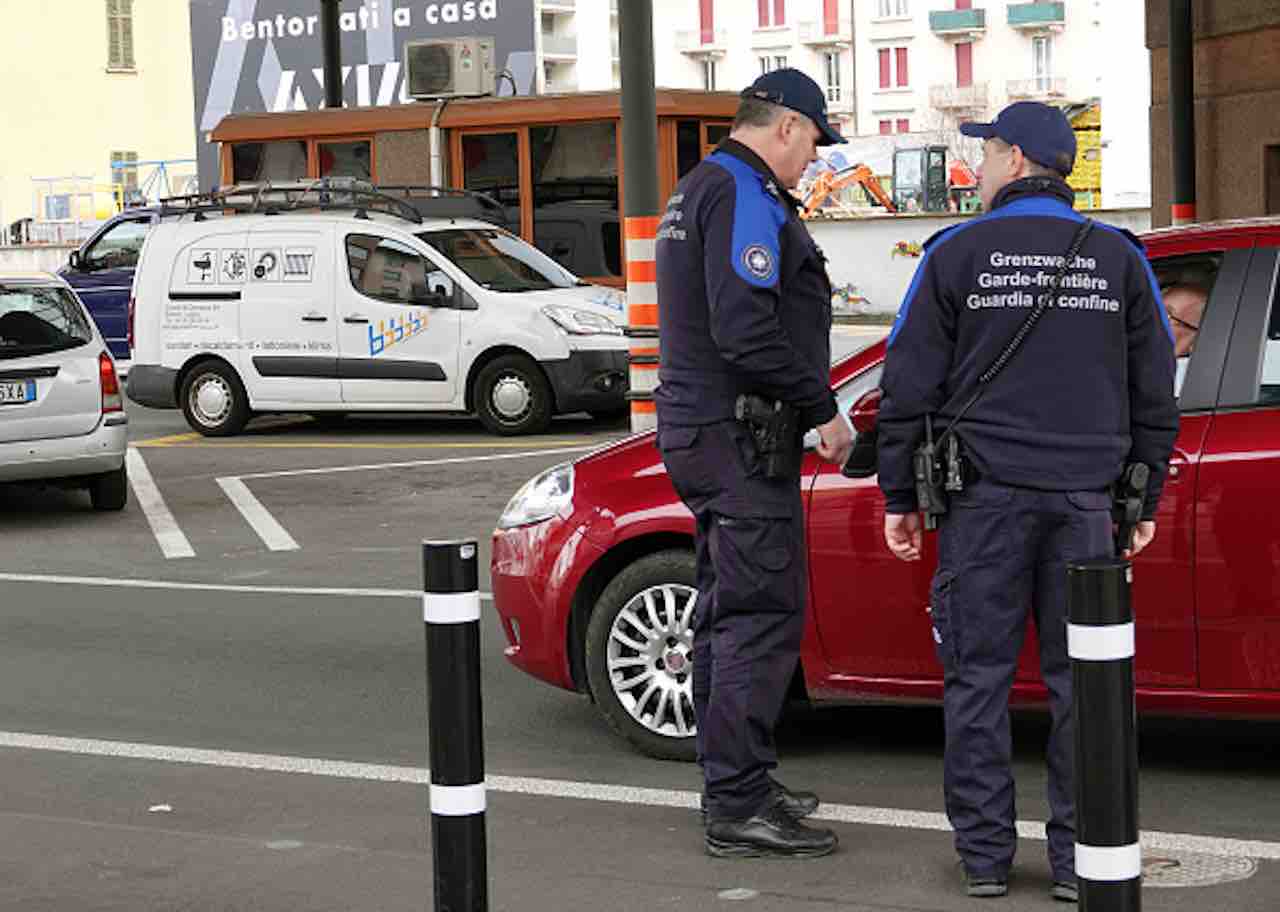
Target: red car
x=593, y=563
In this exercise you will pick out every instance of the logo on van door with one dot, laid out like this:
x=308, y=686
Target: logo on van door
x=202, y=267
x=408, y=326
x=266, y=265
x=299, y=263
x=235, y=266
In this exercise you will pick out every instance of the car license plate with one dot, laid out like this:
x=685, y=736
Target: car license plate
x=17, y=392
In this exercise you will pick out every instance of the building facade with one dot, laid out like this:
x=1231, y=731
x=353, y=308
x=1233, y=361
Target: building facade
x=1237, y=92
x=890, y=67
x=103, y=83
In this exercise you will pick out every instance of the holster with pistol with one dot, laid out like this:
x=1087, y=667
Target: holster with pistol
x=775, y=431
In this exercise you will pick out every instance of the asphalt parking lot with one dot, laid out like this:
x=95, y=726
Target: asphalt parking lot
x=218, y=702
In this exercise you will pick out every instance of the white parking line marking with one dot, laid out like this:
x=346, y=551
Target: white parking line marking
x=455, y=460
x=586, y=791
x=116, y=582
x=164, y=527
x=277, y=538
x=273, y=534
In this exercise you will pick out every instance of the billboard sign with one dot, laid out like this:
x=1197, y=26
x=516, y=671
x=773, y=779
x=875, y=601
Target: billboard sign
x=250, y=56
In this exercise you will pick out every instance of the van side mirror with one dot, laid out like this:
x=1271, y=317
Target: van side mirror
x=75, y=262
x=864, y=416
x=421, y=296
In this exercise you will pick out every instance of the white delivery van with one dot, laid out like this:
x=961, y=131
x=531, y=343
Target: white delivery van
x=329, y=301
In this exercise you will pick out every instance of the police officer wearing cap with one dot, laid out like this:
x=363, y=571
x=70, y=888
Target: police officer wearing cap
x=744, y=308
x=1088, y=390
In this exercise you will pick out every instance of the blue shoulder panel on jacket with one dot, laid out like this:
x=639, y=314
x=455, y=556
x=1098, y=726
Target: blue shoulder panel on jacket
x=757, y=219
x=1156, y=296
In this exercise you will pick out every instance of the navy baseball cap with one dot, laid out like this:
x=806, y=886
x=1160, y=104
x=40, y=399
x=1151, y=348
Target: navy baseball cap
x=1041, y=131
x=793, y=89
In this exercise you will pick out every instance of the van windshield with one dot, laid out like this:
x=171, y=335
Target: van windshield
x=500, y=261
x=36, y=321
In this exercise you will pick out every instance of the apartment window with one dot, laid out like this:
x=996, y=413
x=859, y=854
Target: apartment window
x=709, y=75
x=832, y=67
x=904, y=125
x=1042, y=61
x=894, y=8
x=780, y=62
x=772, y=13
x=893, y=68
x=886, y=127
x=120, y=35
x=706, y=21
x=764, y=65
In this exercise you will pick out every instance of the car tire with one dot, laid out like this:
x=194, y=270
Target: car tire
x=214, y=401
x=512, y=396
x=646, y=716
x=110, y=490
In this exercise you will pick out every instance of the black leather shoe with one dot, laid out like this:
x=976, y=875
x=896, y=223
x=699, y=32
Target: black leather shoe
x=797, y=805
x=985, y=887
x=770, y=833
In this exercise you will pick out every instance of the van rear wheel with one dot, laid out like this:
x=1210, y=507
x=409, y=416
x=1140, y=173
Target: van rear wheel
x=512, y=396
x=214, y=400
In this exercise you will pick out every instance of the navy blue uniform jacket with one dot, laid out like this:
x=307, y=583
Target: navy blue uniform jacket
x=744, y=303
x=1090, y=388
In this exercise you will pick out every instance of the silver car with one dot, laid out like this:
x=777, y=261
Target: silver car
x=62, y=417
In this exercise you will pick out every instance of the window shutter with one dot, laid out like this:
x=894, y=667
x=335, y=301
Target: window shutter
x=126, y=33
x=779, y=12
x=902, y=67
x=763, y=8
x=884, y=67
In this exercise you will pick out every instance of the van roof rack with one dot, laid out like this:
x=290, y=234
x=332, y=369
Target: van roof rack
x=269, y=198
x=448, y=202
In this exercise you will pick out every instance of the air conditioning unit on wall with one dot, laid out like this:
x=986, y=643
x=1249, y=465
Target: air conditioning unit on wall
x=441, y=68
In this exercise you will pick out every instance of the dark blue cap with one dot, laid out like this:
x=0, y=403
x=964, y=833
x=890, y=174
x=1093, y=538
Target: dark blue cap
x=1042, y=132
x=793, y=89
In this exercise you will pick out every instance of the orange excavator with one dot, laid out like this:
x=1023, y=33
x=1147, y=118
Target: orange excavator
x=828, y=182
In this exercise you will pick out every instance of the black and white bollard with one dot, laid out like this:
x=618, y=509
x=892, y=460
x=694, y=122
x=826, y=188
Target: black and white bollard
x=1100, y=642
x=451, y=608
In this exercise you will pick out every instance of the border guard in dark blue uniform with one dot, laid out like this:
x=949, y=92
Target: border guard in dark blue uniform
x=744, y=308
x=1088, y=389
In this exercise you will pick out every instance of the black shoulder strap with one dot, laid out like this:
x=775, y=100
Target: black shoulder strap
x=1002, y=360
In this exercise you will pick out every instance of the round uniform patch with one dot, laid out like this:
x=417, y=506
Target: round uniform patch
x=758, y=261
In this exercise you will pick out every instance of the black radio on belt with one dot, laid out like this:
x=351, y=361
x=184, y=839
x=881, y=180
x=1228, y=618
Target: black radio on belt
x=775, y=430
x=939, y=471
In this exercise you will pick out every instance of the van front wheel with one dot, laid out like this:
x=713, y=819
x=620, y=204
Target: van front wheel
x=512, y=396
x=214, y=400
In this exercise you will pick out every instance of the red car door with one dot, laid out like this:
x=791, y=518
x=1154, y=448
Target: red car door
x=1237, y=525
x=870, y=608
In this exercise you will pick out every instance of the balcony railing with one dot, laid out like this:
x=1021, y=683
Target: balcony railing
x=958, y=22
x=690, y=42
x=946, y=97
x=559, y=46
x=816, y=33
x=1037, y=88
x=1037, y=15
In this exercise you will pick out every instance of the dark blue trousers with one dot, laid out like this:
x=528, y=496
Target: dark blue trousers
x=749, y=617
x=1002, y=556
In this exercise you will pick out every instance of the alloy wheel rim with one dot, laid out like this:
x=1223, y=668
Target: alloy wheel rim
x=650, y=659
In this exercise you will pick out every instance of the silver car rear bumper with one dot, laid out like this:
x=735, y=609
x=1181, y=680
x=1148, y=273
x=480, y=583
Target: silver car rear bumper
x=101, y=450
